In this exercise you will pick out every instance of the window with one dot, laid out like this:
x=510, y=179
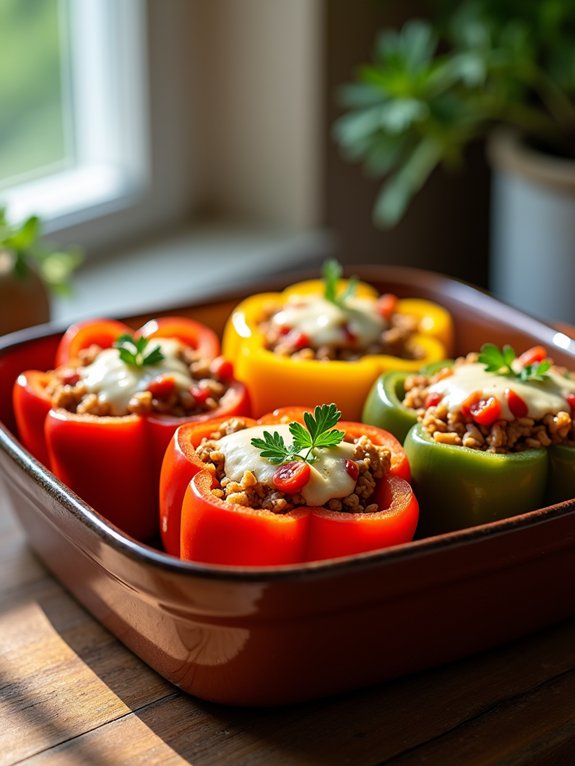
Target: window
x=34, y=130
x=73, y=128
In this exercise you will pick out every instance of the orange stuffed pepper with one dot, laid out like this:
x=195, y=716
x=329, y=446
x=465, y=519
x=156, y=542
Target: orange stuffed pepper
x=330, y=340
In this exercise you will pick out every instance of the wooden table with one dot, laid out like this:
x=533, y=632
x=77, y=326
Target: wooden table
x=70, y=693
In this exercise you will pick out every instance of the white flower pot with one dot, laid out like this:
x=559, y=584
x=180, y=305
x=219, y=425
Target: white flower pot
x=532, y=261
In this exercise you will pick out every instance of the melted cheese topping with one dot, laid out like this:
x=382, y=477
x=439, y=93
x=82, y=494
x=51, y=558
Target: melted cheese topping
x=325, y=323
x=116, y=382
x=541, y=397
x=328, y=477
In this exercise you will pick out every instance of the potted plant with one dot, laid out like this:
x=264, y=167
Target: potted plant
x=30, y=269
x=497, y=69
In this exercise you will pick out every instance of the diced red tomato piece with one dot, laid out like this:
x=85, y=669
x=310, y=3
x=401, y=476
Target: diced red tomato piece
x=222, y=368
x=70, y=377
x=349, y=334
x=483, y=410
x=162, y=387
x=533, y=355
x=571, y=402
x=433, y=399
x=200, y=393
x=352, y=468
x=387, y=304
x=299, y=340
x=291, y=477
x=517, y=404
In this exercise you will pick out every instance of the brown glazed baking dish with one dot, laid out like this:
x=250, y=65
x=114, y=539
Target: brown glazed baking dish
x=274, y=635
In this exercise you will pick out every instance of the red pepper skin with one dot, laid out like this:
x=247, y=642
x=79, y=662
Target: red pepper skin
x=334, y=534
x=31, y=407
x=219, y=532
x=113, y=463
x=100, y=332
x=180, y=464
x=104, y=332
x=190, y=332
x=107, y=462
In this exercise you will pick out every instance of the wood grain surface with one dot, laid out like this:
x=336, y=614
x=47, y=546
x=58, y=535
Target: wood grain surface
x=70, y=693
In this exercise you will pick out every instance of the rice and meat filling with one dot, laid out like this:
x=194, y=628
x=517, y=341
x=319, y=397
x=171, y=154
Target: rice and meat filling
x=98, y=383
x=372, y=461
x=427, y=394
x=312, y=328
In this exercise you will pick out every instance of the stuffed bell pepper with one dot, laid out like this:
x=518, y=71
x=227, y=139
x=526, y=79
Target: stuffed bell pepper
x=488, y=436
x=329, y=340
x=103, y=417
x=291, y=487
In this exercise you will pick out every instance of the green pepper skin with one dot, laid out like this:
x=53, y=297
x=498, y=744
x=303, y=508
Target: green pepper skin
x=561, y=480
x=383, y=407
x=459, y=487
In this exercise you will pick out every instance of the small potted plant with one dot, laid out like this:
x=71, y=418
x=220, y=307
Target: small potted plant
x=30, y=269
x=497, y=69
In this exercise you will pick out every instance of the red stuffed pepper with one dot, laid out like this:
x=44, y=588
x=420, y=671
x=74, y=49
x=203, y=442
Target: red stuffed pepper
x=284, y=489
x=102, y=419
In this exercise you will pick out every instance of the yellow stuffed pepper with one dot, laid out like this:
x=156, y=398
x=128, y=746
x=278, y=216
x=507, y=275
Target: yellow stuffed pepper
x=328, y=340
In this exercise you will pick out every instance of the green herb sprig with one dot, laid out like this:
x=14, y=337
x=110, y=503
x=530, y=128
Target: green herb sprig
x=28, y=250
x=133, y=351
x=319, y=432
x=500, y=361
x=332, y=273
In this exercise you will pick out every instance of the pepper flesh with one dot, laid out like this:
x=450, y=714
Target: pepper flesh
x=460, y=487
x=384, y=408
x=113, y=463
x=217, y=531
x=274, y=380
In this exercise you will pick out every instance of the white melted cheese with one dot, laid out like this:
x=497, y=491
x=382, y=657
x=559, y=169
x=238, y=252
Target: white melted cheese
x=116, y=382
x=325, y=323
x=541, y=397
x=328, y=476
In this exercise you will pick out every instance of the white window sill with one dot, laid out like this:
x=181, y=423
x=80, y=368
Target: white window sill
x=186, y=267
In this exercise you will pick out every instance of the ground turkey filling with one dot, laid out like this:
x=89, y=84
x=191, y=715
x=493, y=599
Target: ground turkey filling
x=502, y=436
x=205, y=387
x=393, y=337
x=373, y=462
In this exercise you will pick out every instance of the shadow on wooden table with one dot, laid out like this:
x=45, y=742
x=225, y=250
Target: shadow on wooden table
x=513, y=701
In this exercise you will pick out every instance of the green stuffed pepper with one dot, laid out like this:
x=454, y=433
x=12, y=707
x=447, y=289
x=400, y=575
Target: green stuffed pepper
x=488, y=436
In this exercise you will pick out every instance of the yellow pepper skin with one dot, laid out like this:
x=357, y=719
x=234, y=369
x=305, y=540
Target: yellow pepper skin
x=278, y=381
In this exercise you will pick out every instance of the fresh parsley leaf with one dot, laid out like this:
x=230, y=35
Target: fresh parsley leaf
x=132, y=351
x=500, y=361
x=536, y=371
x=325, y=416
x=332, y=273
x=317, y=433
x=301, y=436
x=273, y=447
x=496, y=359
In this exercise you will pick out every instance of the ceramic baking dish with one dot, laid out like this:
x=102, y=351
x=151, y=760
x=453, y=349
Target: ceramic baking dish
x=284, y=634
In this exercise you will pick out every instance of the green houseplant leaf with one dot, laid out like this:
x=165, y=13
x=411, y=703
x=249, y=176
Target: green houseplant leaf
x=434, y=86
x=24, y=243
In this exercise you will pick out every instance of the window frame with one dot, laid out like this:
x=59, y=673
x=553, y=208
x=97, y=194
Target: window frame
x=139, y=182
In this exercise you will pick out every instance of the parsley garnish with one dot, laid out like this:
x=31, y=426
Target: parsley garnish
x=501, y=361
x=332, y=273
x=319, y=432
x=132, y=351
